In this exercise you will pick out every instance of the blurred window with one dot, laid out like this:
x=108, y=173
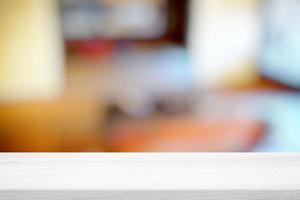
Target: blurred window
x=114, y=19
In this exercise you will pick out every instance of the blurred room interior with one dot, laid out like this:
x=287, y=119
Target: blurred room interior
x=150, y=75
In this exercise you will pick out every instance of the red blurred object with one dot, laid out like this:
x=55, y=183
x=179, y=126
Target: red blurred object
x=92, y=47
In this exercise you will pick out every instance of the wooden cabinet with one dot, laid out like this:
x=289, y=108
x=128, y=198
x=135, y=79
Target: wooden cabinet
x=61, y=125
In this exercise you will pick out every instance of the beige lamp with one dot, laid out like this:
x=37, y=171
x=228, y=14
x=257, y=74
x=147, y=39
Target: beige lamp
x=31, y=56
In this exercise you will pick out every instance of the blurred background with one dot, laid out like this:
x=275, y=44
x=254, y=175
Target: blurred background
x=150, y=75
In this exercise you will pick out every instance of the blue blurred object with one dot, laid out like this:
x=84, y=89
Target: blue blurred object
x=281, y=48
x=282, y=113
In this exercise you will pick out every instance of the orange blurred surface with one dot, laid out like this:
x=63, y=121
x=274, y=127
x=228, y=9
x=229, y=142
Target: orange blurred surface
x=58, y=125
x=185, y=134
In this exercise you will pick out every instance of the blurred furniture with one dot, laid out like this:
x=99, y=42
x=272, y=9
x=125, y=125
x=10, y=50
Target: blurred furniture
x=58, y=125
x=185, y=134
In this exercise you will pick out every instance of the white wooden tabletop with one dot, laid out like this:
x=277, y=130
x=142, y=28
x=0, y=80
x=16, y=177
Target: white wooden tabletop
x=153, y=175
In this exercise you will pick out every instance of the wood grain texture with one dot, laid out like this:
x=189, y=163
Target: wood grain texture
x=149, y=171
x=150, y=195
